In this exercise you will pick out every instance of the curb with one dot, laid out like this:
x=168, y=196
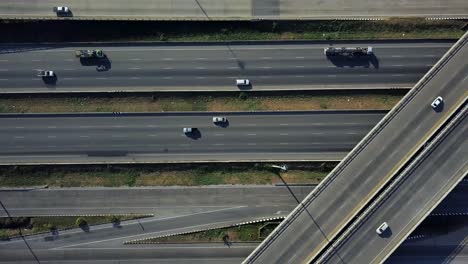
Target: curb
x=146, y=240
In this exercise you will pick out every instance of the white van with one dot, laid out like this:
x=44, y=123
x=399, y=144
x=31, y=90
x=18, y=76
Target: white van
x=242, y=82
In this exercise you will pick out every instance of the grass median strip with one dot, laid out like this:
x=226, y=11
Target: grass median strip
x=393, y=28
x=159, y=175
x=255, y=232
x=242, y=101
x=15, y=226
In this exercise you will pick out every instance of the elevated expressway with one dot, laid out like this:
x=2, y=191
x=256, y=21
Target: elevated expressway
x=232, y=10
x=370, y=166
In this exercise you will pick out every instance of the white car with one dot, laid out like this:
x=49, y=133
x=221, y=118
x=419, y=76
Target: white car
x=188, y=130
x=242, y=82
x=42, y=73
x=62, y=9
x=381, y=229
x=219, y=119
x=437, y=102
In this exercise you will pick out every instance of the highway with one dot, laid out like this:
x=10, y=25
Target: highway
x=322, y=215
x=161, y=201
x=409, y=202
x=158, y=137
x=180, y=68
x=228, y=10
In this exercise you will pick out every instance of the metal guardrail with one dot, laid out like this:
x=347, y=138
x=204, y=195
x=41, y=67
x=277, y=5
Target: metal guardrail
x=395, y=184
x=358, y=149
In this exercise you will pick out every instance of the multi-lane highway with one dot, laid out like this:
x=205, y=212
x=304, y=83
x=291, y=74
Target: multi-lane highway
x=309, y=228
x=154, y=137
x=216, y=67
x=228, y=10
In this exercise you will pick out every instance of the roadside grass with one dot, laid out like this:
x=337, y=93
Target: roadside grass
x=242, y=233
x=230, y=102
x=10, y=227
x=393, y=28
x=159, y=175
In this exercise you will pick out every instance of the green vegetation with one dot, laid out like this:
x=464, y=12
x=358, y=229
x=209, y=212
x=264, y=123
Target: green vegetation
x=396, y=28
x=12, y=226
x=159, y=175
x=243, y=233
x=243, y=101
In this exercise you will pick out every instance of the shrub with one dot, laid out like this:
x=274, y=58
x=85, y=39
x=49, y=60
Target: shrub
x=81, y=222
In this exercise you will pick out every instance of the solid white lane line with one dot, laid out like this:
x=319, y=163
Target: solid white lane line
x=134, y=68
x=3, y=79
x=331, y=75
x=284, y=134
x=51, y=127
x=219, y=135
x=167, y=78
x=135, y=59
x=299, y=57
x=299, y=66
x=101, y=78
x=299, y=76
x=4, y=70
x=265, y=58
x=284, y=124
x=168, y=59
x=251, y=144
x=398, y=65
x=168, y=68
x=265, y=67
x=233, y=67
x=152, y=135
x=200, y=77
x=251, y=134
x=396, y=56
x=200, y=68
x=84, y=136
x=19, y=136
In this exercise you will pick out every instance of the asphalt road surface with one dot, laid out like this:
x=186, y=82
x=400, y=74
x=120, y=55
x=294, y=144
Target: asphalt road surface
x=157, y=137
x=216, y=68
x=161, y=201
x=228, y=10
x=323, y=214
x=403, y=208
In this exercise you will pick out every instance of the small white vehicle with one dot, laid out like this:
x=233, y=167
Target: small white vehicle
x=42, y=73
x=437, y=102
x=61, y=10
x=382, y=228
x=219, y=119
x=242, y=82
x=188, y=130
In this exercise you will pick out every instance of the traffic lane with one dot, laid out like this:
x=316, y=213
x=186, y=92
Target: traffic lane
x=347, y=193
x=187, y=67
x=102, y=236
x=405, y=204
x=202, y=10
x=199, y=254
x=144, y=200
x=105, y=158
x=254, y=133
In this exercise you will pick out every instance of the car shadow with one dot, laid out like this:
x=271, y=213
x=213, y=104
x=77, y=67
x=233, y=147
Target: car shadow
x=222, y=124
x=351, y=62
x=50, y=81
x=195, y=134
x=245, y=87
x=387, y=233
x=67, y=14
x=101, y=64
x=440, y=107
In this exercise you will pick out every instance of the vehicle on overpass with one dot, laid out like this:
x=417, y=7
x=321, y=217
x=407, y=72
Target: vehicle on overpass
x=382, y=228
x=88, y=54
x=349, y=52
x=437, y=102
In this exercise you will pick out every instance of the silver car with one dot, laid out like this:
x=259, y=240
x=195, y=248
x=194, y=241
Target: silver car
x=219, y=119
